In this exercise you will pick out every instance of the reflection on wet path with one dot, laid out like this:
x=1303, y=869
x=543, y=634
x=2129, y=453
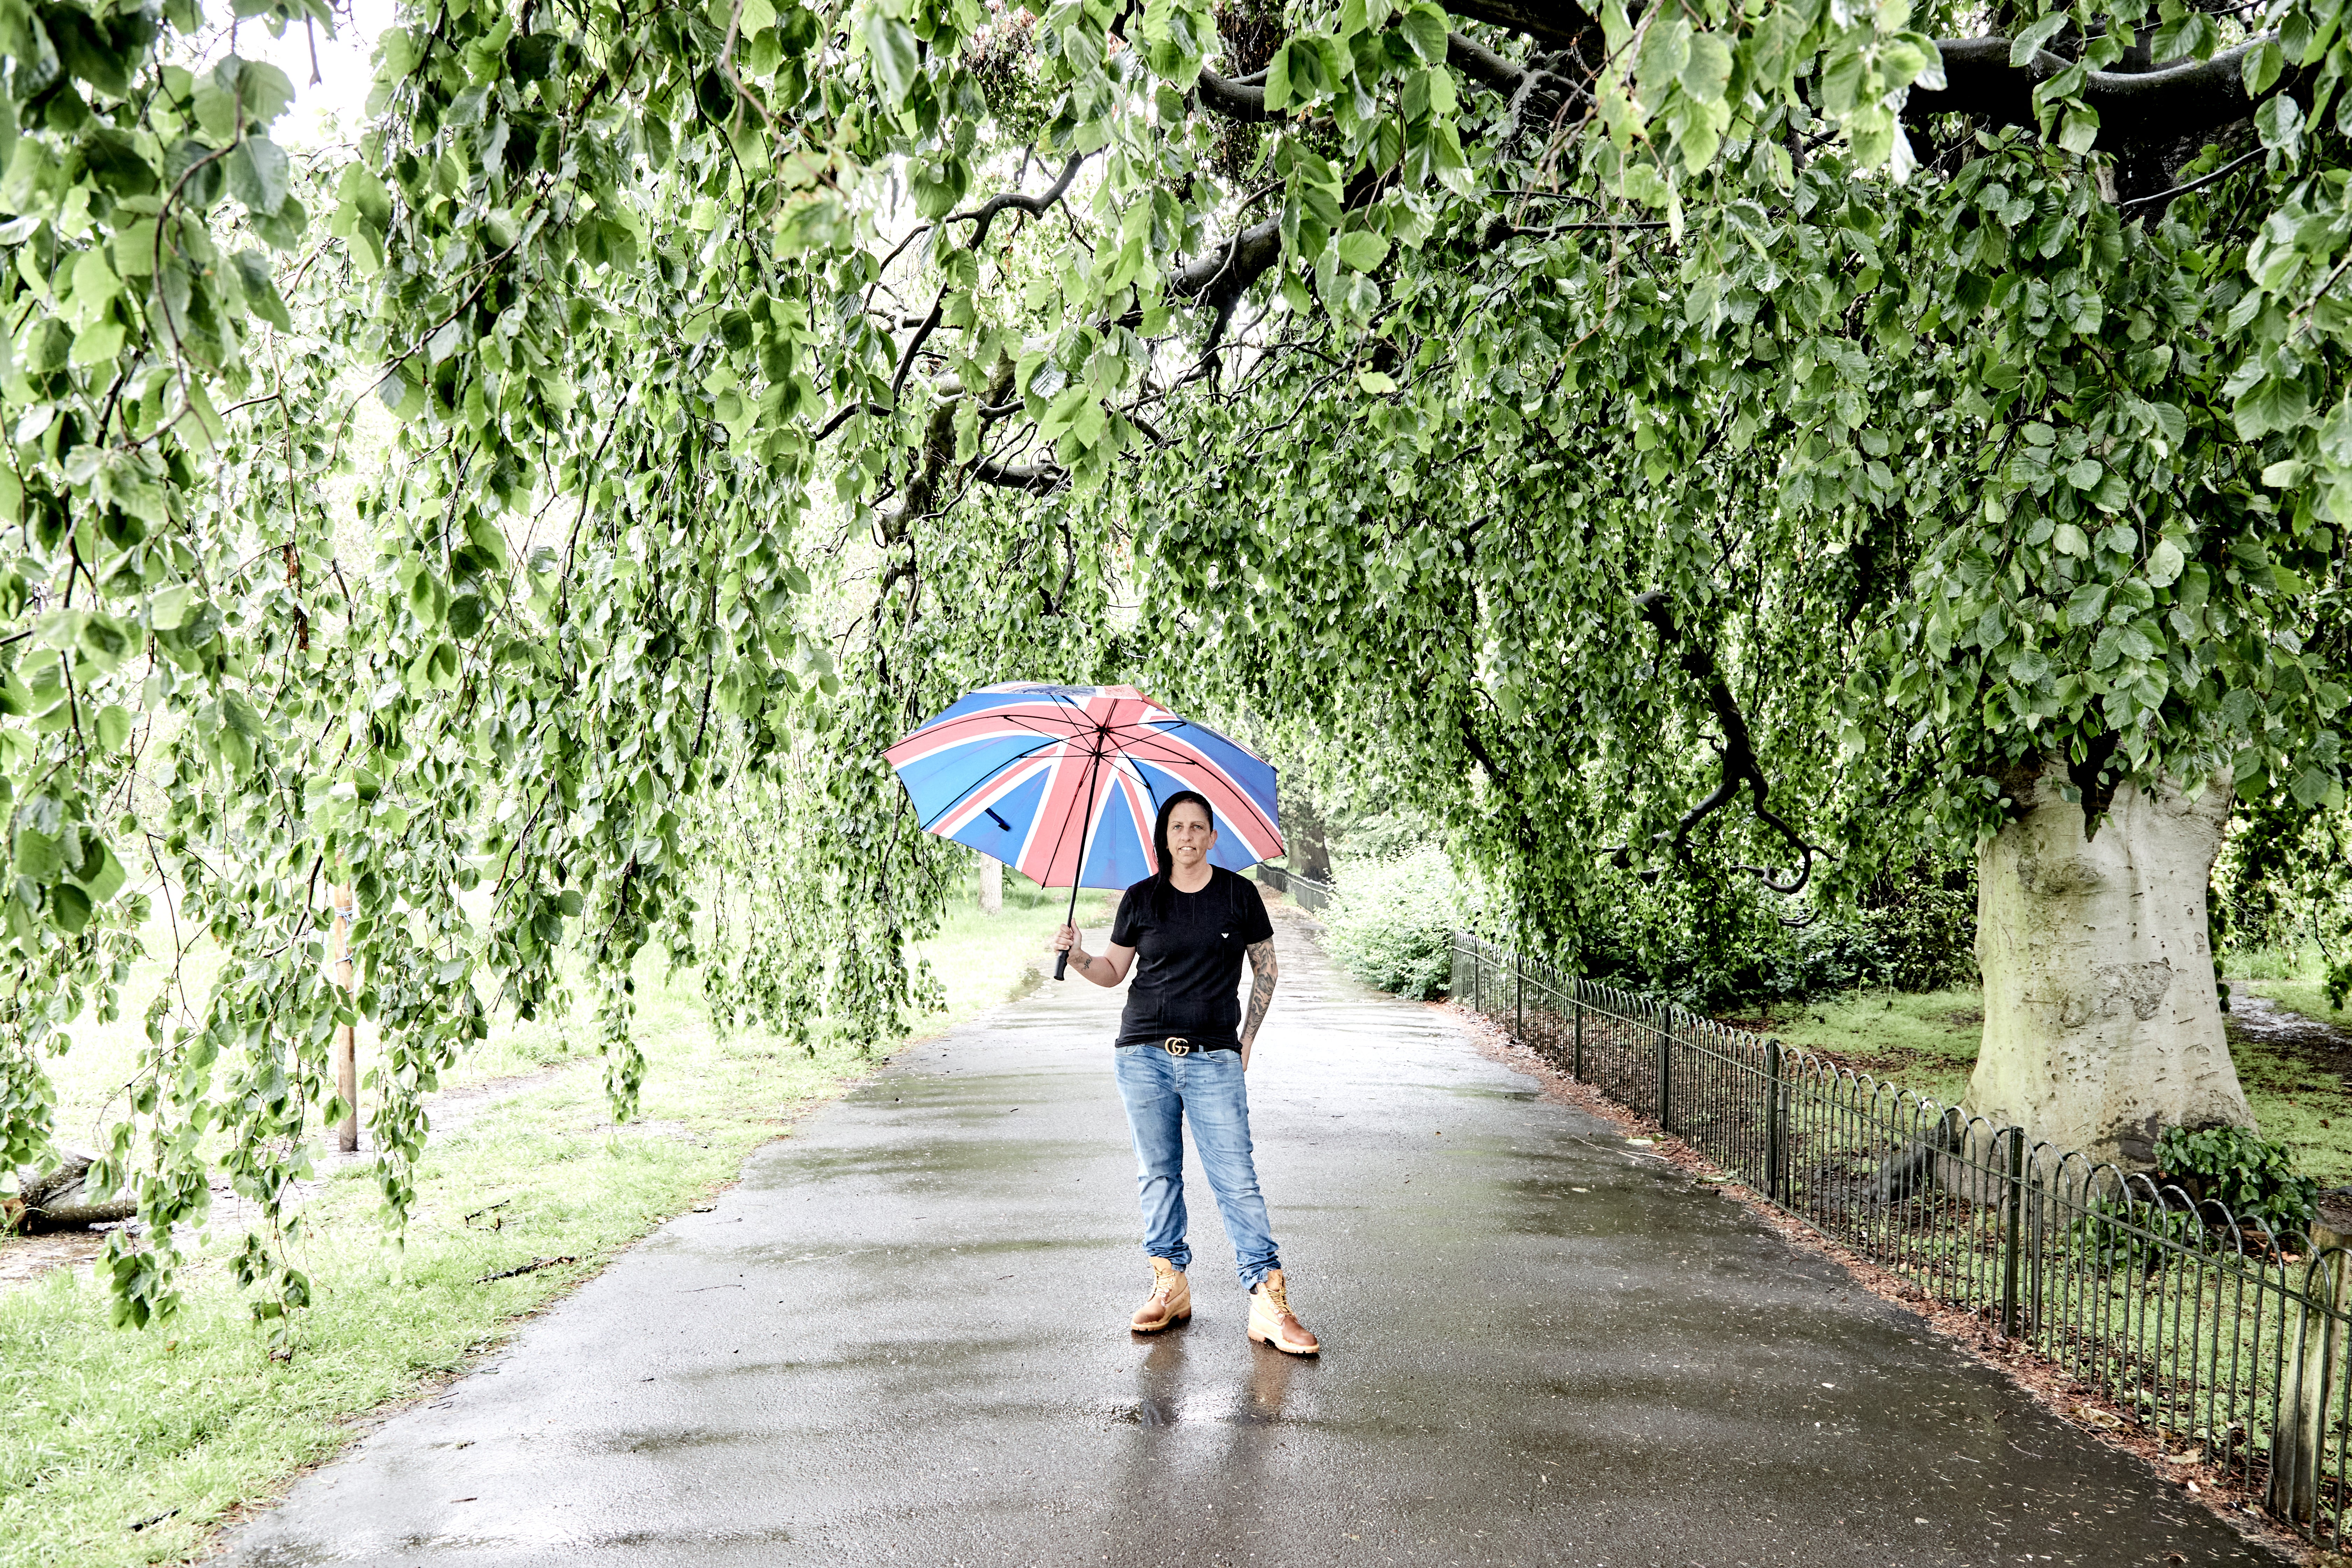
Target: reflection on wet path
x=902, y=1340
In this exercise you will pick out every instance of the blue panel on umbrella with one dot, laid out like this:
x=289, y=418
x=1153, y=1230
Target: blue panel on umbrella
x=1004, y=828
x=1233, y=850
x=1251, y=772
x=938, y=784
x=1121, y=853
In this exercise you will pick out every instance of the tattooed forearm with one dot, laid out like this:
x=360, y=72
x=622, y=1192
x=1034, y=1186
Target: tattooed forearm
x=1261, y=957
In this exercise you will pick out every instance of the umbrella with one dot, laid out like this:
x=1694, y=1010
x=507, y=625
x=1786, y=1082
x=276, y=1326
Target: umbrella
x=1063, y=783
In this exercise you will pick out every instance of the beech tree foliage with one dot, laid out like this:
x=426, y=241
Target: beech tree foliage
x=1694, y=439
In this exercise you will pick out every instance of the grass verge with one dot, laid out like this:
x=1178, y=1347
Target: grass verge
x=2295, y=1079
x=1925, y=1043
x=121, y=1447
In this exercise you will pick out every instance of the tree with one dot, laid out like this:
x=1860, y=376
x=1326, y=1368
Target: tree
x=1706, y=442
x=1834, y=513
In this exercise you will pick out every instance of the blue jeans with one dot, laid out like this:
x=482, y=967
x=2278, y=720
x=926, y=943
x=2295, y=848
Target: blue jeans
x=1162, y=1092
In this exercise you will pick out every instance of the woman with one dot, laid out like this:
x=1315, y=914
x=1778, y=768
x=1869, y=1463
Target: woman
x=1183, y=1046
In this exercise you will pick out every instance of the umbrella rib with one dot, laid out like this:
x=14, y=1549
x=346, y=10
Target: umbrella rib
x=1177, y=758
x=993, y=774
x=998, y=771
x=1014, y=720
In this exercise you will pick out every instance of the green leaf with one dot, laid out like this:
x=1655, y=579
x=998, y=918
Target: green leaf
x=2274, y=404
x=890, y=44
x=39, y=856
x=359, y=187
x=97, y=344
x=1372, y=381
x=266, y=89
x=2279, y=123
x=94, y=283
x=168, y=611
x=2164, y=563
x=2261, y=66
x=1278, y=82
x=69, y=907
x=1643, y=183
x=2030, y=38
x=1707, y=69
x=1362, y=249
x=1425, y=27
x=261, y=289
x=102, y=874
x=259, y=173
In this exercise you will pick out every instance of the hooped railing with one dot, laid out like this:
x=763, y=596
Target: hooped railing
x=2215, y=1331
x=1307, y=893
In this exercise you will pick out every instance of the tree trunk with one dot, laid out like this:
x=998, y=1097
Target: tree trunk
x=2102, y=1022
x=1306, y=836
x=991, y=885
x=347, y=1036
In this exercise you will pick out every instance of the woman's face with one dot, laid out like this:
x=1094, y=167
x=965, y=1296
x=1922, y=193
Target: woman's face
x=1190, y=834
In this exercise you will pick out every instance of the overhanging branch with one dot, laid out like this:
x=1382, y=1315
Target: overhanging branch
x=1739, y=764
x=2136, y=108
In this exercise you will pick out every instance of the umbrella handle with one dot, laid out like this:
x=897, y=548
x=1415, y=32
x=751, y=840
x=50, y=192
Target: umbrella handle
x=1062, y=959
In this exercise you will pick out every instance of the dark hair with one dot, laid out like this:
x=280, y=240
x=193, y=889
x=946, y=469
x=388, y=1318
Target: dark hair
x=1165, y=878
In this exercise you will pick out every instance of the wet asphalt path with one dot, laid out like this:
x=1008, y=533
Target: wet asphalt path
x=901, y=1341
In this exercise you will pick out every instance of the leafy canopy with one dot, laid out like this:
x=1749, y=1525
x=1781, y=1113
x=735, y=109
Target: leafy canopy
x=758, y=375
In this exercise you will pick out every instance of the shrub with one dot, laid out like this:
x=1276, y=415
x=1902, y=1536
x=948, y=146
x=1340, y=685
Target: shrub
x=2251, y=1175
x=1717, y=943
x=1391, y=924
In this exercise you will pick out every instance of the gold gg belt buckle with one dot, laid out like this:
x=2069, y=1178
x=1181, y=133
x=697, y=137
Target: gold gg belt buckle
x=1179, y=1046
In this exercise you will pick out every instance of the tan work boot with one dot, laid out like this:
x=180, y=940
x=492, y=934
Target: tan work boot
x=1171, y=1301
x=1272, y=1321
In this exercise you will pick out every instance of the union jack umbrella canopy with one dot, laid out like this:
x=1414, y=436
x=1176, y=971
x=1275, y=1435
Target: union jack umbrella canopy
x=1063, y=783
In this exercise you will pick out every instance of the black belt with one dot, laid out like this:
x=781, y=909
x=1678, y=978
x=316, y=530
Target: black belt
x=1177, y=1045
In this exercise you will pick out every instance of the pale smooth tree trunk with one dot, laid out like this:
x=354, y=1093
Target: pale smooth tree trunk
x=347, y=1036
x=991, y=885
x=2102, y=1025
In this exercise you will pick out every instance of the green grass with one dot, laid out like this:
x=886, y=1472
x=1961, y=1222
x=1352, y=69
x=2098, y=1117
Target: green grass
x=2300, y=961
x=105, y=1429
x=2305, y=997
x=1925, y=1042
x=1928, y=1044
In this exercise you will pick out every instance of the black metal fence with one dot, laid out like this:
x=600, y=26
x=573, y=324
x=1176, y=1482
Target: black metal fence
x=1307, y=894
x=2219, y=1334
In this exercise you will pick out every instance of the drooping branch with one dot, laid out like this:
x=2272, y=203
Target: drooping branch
x=1559, y=23
x=1035, y=477
x=1739, y=764
x=1036, y=207
x=981, y=216
x=2135, y=109
x=1219, y=279
x=1224, y=272
x=1245, y=101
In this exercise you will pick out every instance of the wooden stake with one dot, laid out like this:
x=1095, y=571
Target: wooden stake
x=347, y=1044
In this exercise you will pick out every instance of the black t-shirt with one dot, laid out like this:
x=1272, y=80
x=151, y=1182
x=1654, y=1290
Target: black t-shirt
x=1188, y=964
